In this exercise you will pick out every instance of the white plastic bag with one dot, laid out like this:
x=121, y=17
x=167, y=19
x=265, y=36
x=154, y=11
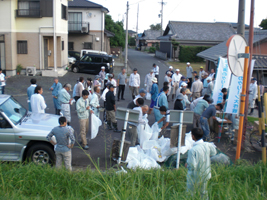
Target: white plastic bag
x=155, y=131
x=148, y=96
x=149, y=144
x=144, y=133
x=95, y=123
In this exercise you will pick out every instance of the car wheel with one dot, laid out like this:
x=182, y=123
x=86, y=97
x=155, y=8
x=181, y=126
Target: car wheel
x=75, y=69
x=41, y=154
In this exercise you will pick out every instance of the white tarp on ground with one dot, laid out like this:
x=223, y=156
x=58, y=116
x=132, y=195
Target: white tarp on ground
x=153, y=150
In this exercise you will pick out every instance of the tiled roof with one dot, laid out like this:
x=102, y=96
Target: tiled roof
x=85, y=4
x=198, y=31
x=150, y=35
x=215, y=52
x=261, y=62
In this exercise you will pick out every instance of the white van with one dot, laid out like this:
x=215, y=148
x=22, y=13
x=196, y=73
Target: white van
x=86, y=51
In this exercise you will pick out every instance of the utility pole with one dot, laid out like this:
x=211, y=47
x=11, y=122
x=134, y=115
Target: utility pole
x=126, y=40
x=136, y=41
x=241, y=18
x=162, y=17
x=54, y=35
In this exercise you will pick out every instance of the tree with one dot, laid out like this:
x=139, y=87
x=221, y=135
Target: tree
x=263, y=24
x=131, y=41
x=117, y=28
x=156, y=27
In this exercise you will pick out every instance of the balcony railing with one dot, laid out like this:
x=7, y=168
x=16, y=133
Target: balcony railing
x=78, y=27
x=28, y=13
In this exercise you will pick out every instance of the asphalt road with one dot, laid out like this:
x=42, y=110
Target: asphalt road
x=100, y=147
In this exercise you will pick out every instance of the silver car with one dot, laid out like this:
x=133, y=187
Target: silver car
x=23, y=134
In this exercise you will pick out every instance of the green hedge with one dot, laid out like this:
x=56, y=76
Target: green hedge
x=152, y=49
x=189, y=53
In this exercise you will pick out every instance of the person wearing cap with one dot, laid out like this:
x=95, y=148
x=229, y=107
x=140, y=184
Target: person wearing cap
x=202, y=104
x=156, y=71
x=186, y=101
x=253, y=93
x=194, y=75
x=121, y=82
x=97, y=83
x=183, y=80
x=169, y=80
x=178, y=104
x=148, y=80
x=154, y=93
x=196, y=89
x=111, y=109
x=55, y=88
x=209, y=112
x=183, y=85
x=94, y=102
x=134, y=83
x=209, y=89
x=189, y=71
x=176, y=77
x=201, y=73
x=102, y=75
x=170, y=70
x=65, y=101
x=161, y=100
x=113, y=82
x=30, y=92
x=212, y=74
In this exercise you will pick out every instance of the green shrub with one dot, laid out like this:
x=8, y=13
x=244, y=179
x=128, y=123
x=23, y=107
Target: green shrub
x=152, y=49
x=189, y=53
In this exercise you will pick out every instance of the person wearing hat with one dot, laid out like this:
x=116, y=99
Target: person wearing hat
x=196, y=89
x=121, y=82
x=102, y=75
x=183, y=80
x=133, y=103
x=113, y=82
x=97, y=83
x=176, y=77
x=56, y=87
x=189, y=71
x=94, y=101
x=178, y=105
x=161, y=100
x=65, y=101
x=148, y=80
x=201, y=73
x=183, y=85
x=170, y=70
x=209, y=89
x=134, y=83
x=253, y=93
x=169, y=80
x=202, y=104
x=156, y=71
x=154, y=93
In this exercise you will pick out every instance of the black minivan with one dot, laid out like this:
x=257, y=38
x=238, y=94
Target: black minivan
x=92, y=63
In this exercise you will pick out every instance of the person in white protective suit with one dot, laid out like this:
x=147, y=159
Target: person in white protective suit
x=148, y=80
x=253, y=93
x=198, y=164
x=94, y=102
x=65, y=102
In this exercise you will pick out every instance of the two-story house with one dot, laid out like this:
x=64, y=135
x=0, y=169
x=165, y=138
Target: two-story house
x=87, y=26
x=33, y=33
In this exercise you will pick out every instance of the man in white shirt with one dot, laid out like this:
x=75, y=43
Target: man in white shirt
x=176, y=77
x=197, y=87
x=134, y=83
x=79, y=88
x=148, y=80
x=212, y=74
x=113, y=82
x=209, y=89
x=3, y=81
x=37, y=101
x=156, y=72
x=132, y=127
x=94, y=102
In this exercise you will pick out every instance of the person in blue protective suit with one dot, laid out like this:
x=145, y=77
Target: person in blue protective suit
x=56, y=87
x=161, y=101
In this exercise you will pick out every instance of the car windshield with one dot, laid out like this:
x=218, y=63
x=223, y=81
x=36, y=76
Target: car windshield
x=13, y=110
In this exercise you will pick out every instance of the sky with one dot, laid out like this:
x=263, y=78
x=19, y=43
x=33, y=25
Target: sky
x=181, y=10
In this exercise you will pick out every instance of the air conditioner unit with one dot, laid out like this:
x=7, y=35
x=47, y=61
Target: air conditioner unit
x=30, y=71
x=84, y=29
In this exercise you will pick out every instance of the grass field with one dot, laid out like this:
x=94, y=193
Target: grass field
x=29, y=181
x=182, y=66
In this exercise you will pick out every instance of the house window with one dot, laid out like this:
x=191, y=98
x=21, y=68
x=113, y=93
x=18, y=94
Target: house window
x=28, y=9
x=22, y=47
x=87, y=45
x=62, y=45
x=71, y=45
x=75, y=21
x=63, y=12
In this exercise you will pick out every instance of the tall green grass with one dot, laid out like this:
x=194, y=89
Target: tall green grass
x=29, y=181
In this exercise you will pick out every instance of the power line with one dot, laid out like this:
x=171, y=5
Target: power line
x=175, y=7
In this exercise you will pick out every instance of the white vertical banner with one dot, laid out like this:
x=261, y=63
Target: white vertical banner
x=235, y=90
x=223, y=77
